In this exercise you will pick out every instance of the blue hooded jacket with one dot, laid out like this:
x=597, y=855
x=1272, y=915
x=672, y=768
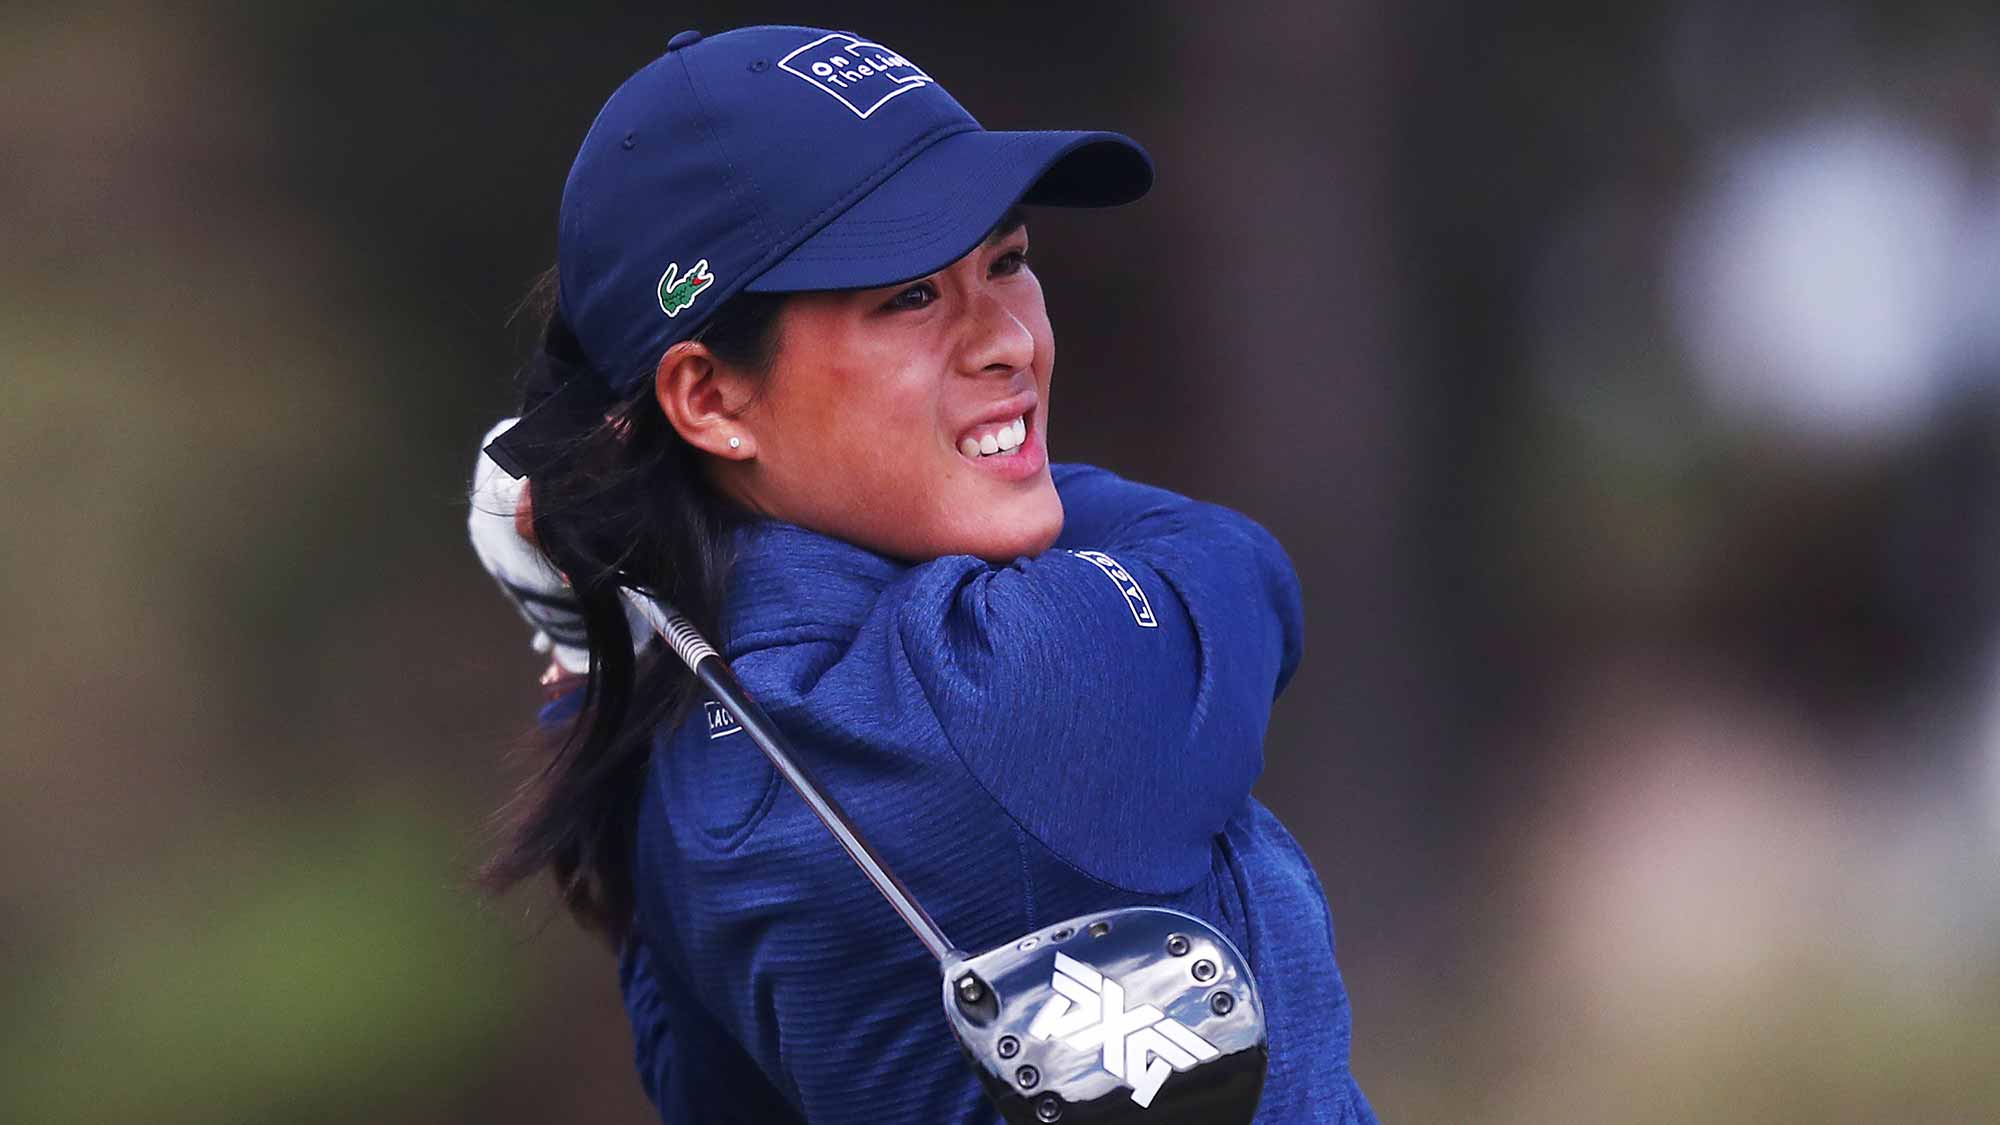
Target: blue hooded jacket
x=1069, y=733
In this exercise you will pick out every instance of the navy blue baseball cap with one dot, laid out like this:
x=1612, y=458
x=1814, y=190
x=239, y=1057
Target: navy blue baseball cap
x=785, y=159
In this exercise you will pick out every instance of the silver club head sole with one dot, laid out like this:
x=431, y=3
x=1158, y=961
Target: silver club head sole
x=1136, y=1015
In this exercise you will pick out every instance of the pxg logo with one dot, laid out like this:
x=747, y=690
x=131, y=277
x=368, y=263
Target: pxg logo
x=863, y=75
x=1140, y=1046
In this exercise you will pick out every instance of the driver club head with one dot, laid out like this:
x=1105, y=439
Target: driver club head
x=1134, y=1015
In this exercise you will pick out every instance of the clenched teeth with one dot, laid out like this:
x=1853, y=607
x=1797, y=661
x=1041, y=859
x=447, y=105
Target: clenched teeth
x=1005, y=439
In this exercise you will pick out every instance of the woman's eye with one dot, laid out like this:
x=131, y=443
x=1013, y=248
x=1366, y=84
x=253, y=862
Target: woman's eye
x=914, y=297
x=1013, y=261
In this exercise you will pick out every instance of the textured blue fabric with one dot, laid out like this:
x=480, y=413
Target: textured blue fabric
x=1023, y=744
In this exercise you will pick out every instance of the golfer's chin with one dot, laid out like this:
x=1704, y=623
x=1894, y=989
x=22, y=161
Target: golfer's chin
x=1021, y=526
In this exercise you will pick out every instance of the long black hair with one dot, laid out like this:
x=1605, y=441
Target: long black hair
x=625, y=502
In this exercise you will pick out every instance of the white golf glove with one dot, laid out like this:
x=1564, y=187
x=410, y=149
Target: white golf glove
x=537, y=590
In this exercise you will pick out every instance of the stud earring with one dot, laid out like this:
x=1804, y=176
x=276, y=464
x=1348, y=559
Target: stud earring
x=736, y=443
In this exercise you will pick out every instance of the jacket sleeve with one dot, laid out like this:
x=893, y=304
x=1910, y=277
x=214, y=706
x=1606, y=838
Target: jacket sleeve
x=646, y=1010
x=1112, y=694
x=647, y=1004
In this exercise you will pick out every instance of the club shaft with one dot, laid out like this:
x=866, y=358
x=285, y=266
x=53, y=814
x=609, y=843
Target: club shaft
x=716, y=675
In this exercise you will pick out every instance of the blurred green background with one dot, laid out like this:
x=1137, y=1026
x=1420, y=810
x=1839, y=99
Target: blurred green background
x=1623, y=383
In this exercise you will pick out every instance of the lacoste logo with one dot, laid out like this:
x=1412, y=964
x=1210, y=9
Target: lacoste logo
x=861, y=75
x=720, y=721
x=1135, y=598
x=1141, y=1046
x=678, y=292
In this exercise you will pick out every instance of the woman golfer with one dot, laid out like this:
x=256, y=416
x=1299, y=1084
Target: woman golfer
x=796, y=380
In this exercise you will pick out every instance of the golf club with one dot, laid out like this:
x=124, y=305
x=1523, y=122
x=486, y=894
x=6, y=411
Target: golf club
x=1140, y=1014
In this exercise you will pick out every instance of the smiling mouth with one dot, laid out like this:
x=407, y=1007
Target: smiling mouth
x=995, y=439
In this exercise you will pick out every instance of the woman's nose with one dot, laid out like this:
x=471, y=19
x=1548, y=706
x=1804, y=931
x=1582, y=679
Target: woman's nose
x=996, y=340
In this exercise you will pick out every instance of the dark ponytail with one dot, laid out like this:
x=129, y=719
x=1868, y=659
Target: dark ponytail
x=623, y=503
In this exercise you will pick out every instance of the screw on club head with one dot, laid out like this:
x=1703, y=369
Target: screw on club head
x=970, y=990
x=1204, y=970
x=1099, y=929
x=1028, y=1077
x=1048, y=1109
x=1222, y=1003
x=1009, y=1046
x=1177, y=945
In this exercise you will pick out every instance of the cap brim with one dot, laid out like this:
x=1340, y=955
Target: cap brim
x=936, y=208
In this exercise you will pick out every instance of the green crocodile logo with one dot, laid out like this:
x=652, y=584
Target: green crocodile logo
x=678, y=291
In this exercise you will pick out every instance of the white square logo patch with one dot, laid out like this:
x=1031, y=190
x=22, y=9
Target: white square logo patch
x=862, y=74
x=720, y=721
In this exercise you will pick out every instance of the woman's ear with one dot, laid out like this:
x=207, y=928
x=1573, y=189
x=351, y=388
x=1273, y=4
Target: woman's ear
x=705, y=399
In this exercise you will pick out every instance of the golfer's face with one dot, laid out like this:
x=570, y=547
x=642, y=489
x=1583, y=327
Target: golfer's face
x=913, y=419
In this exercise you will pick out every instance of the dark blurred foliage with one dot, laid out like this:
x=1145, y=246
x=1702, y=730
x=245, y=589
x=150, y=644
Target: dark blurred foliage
x=1646, y=741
